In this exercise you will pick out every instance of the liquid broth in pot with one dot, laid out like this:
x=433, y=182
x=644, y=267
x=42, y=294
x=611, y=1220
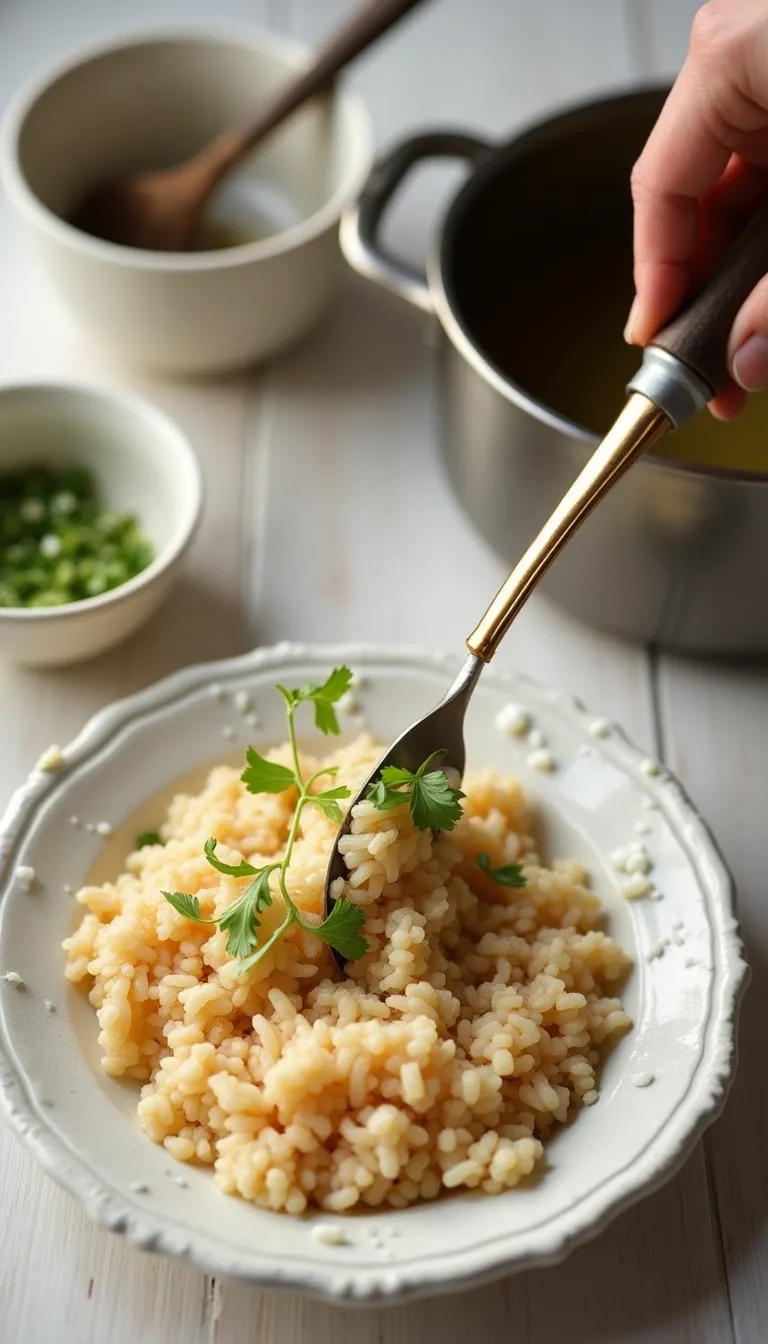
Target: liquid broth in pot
x=541, y=277
x=559, y=337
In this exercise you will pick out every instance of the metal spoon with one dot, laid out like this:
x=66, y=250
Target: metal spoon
x=681, y=371
x=162, y=210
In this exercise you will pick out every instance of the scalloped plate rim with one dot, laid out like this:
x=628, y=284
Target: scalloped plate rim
x=363, y=1286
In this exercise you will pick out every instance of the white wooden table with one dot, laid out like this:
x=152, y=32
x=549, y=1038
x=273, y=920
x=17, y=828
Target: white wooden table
x=690, y=1265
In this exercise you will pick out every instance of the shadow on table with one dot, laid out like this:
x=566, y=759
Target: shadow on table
x=368, y=340
x=194, y=625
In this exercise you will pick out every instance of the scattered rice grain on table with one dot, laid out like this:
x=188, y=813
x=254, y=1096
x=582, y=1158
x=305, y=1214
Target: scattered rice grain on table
x=471, y=1028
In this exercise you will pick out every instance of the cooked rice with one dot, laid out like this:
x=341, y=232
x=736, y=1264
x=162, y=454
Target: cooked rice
x=471, y=1028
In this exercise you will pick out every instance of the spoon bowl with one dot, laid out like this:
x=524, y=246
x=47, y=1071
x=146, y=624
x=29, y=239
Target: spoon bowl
x=439, y=734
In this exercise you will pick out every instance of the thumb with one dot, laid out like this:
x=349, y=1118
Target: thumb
x=748, y=344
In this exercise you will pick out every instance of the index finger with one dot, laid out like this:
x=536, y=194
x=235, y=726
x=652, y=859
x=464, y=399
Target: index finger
x=683, y=159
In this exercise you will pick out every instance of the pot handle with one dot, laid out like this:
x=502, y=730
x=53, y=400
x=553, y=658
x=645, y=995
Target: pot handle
x=360, y=225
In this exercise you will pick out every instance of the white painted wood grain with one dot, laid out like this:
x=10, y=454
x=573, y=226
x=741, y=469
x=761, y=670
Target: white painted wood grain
x=61, y=1278
x=64, y=1280
x=49, y=1253
x=317, y=426
x=484, y=65
x=714, y=722
x=490, y=64
x=351, y=417
x=716, y=728
x=667, y=28
x=343, y=432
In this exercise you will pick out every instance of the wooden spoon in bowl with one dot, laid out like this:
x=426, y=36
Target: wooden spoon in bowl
x=162, y=211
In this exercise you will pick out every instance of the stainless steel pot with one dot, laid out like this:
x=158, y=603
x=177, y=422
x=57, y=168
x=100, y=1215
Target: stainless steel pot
x=530, y=277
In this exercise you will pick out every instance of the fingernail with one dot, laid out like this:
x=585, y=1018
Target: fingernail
x=750, y=363
x=629, y=328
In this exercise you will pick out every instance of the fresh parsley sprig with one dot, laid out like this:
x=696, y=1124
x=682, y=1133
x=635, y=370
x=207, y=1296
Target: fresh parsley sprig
x=509, y=875
x=241, y=919
x=434, y=804
x=322, y=697
x=342, y=929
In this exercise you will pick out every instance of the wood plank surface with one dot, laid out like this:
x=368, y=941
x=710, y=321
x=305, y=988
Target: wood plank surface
x=312, y=466
x=715, y=722
x=714, y=728
x=61, y=1278
x=379, y=474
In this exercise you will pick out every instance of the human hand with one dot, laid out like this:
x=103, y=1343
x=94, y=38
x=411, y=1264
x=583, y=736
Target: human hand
x=699, y=178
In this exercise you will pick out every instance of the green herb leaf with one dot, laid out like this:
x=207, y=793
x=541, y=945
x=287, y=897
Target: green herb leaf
x=393, y=775
x=241, y=869
x=262, y=776
x=510, y=875
x=290, y=697
x=241, y=920
x=323, y=697
x=188, y=906
x=148, y=838
x=392, y=789
x=336, y=685
x=327, y=695
x=341, y=930
x=434, y=804
x=247, y=963
x=326, y=801
x=385, y=798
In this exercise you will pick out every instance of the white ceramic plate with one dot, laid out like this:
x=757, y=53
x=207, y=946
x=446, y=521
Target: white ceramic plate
x=81, y=1125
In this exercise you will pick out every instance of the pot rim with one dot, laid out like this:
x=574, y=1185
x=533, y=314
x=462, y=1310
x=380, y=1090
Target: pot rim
x=460, y=335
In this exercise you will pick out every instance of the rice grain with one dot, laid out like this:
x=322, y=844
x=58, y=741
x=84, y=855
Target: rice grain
x=442, y=1060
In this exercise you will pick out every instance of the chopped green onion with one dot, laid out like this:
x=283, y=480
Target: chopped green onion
x=58, y=544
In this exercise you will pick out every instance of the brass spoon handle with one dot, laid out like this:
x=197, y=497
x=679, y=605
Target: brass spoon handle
x=639, y=425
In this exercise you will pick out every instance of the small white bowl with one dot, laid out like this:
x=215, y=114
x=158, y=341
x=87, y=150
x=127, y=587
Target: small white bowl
x=661, y=1085
x=151, y=100
x=142, y=464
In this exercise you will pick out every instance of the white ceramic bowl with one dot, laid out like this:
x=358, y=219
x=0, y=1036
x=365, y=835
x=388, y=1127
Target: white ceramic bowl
x=81, y=1126
x=153, y=99
x=142, y=463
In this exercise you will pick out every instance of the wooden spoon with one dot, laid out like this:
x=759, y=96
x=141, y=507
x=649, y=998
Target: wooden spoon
x=162, y=211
